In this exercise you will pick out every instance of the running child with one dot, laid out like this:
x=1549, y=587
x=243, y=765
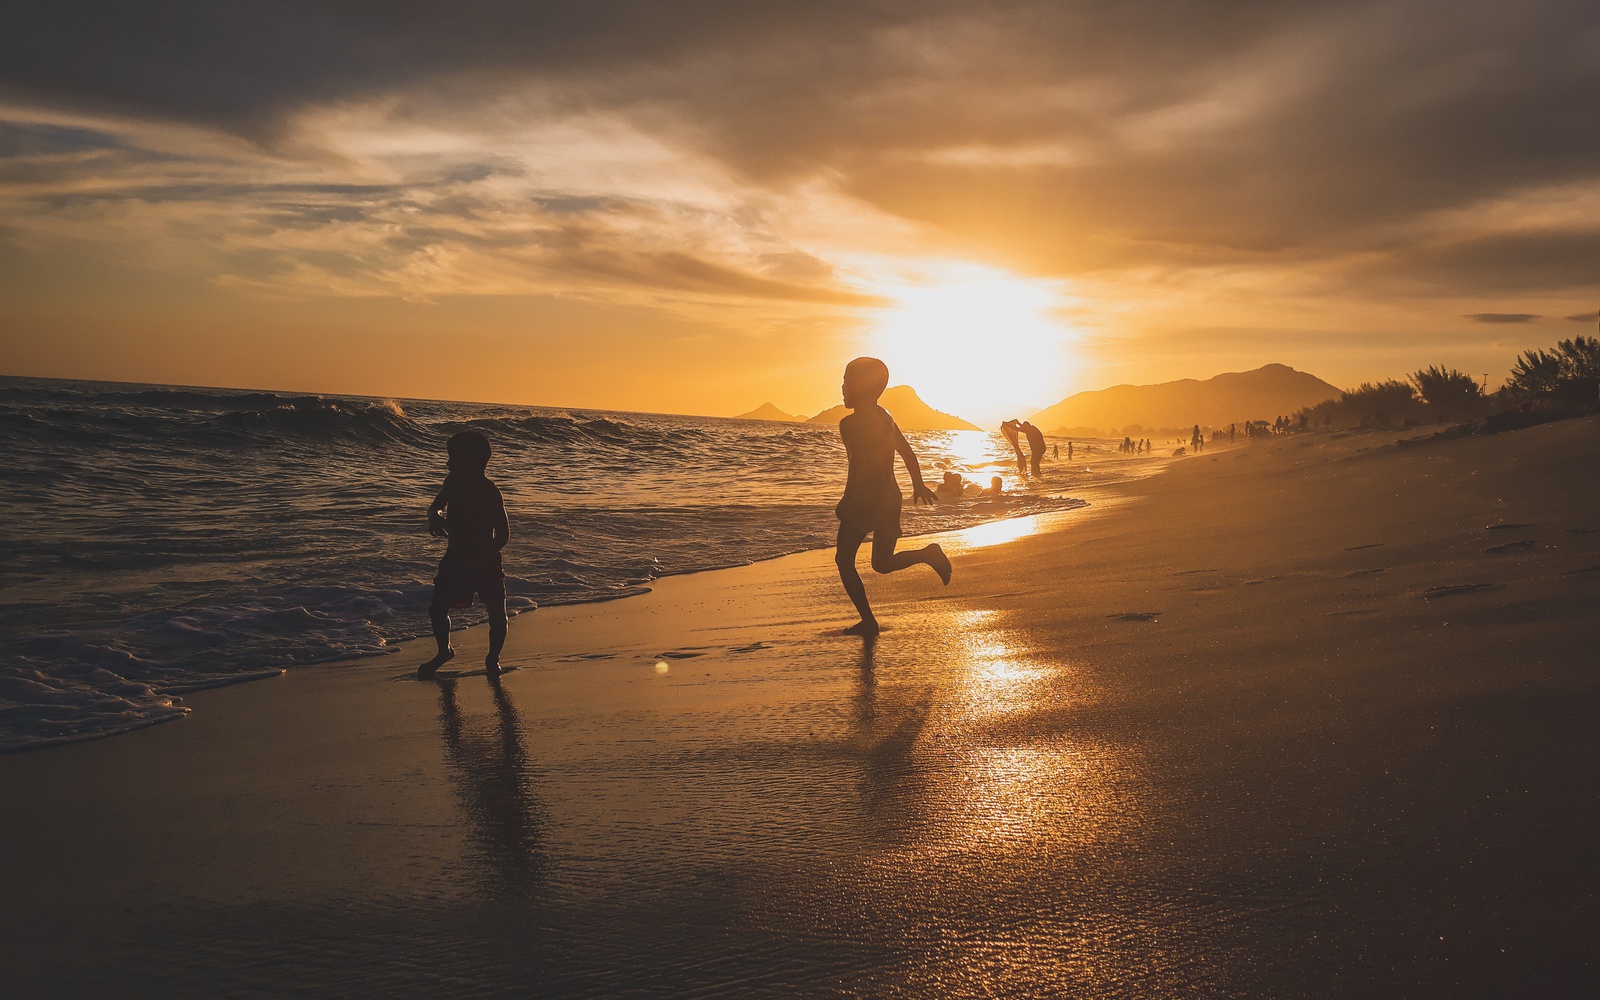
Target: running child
x=872, y=500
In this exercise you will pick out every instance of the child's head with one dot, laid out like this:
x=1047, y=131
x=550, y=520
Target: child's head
x=469, y=452
x=864, y=381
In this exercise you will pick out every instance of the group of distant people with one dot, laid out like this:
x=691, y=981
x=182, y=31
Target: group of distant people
x=1130, y=446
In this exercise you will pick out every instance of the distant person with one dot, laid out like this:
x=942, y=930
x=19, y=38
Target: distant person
x=1055, y=452
x=951, y=488
x=871, y=502
x=471, y=513
x=1011, y=428
x=1069, y=451
x=1035, y=445
x=1194, y=439
x=997, y=488
x=1231, y=429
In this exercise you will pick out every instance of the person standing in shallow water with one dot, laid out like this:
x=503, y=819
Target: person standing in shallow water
x=471, y=513
x=1035, y=445
x=872, y=501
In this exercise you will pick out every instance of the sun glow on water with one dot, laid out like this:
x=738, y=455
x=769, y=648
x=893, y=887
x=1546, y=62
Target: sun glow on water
x=976, y=341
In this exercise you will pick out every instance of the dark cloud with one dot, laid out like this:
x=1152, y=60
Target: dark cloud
x=1587, y=317
x=1501, y=317
x=241, y=63
x=1536, y=262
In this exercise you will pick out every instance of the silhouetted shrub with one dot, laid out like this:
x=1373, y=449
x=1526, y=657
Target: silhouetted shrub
x=1390, y=403
x=1566, y=376
x=1450, y=394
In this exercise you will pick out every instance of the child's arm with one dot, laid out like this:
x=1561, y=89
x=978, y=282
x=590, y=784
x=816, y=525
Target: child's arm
x=501, y=528
x=919, y=490
x=436, y=521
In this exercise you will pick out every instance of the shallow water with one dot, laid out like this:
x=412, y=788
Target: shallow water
x=163, y=539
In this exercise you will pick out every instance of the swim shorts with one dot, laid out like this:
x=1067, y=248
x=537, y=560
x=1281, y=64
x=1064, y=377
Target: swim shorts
x=458, y=580
x=878, y=516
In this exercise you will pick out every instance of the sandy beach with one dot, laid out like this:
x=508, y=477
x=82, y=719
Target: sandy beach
x=1308, y=717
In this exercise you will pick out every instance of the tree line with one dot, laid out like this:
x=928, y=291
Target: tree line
x=1566, y=377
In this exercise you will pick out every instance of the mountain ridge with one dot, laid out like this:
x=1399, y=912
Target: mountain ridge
x=1232, y=397
x=766, y=411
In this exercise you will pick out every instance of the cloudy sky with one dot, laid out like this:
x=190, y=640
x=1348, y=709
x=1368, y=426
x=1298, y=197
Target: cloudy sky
x=699, y=206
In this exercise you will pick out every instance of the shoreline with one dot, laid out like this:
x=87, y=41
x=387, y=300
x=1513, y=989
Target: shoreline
x=179, y=694
x=1294, y=720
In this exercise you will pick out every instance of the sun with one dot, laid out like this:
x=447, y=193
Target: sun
x=976, y=341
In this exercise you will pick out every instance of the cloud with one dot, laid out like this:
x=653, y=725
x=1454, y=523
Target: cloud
x=1501, y=317
x=1588, y=317
x=747, y=151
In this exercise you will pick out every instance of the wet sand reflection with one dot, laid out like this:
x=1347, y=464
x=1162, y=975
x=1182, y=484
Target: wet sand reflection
x=494, y=782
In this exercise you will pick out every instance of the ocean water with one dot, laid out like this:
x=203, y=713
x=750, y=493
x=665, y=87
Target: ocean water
x=163, y=539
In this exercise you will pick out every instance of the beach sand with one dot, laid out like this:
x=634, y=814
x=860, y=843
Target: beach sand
x=1305, y=717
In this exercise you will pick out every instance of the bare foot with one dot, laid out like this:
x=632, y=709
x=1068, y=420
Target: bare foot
x=863, y=627
x=491, y=666
x=427, y=669
x=940, y=563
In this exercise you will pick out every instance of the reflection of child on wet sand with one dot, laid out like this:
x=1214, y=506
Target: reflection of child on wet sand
x=471, y=513
x=871, y=503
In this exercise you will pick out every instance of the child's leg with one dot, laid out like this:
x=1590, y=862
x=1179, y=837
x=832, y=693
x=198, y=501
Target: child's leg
x=497, y=635
x=886, y=560
x=439, y=617
x=844, y=556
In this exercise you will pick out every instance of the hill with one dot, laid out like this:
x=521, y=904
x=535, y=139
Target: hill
x=910, y=412
x=1234, y=397
x=766, y=411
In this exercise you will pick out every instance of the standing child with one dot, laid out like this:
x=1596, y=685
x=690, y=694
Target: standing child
x=871, y=503
x=471, y=513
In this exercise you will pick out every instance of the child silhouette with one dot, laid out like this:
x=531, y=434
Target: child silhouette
x=871, y=503
x=471, y=513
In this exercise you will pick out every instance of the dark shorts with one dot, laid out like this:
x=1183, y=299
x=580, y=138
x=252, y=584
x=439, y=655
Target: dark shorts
x=879, y=517
x=458, y=580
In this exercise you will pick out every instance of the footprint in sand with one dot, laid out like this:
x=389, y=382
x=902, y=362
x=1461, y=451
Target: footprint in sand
x=1520, y=545
x=1358, y=548
x=751, y=648
x=1507, y=526
x=1583, y=531
x=1191, y=572
x=1135, y=616
x=680, y=654
x=580, y=657
x=1367, y=572
x=1433, y=593
x=1586, y=569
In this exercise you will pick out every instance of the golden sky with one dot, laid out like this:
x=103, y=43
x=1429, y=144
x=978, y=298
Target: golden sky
x=701, y=206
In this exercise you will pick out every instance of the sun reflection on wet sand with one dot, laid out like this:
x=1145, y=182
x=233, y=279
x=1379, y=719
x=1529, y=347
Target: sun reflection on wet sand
x=977, y=773
x=994, y=533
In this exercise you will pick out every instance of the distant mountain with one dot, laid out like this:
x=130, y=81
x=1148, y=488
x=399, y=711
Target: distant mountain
x=766, y=411
x=909, y=411
x=1262, y=394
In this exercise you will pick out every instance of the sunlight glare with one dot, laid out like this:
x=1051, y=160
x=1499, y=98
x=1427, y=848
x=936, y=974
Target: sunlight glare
x=976, y=341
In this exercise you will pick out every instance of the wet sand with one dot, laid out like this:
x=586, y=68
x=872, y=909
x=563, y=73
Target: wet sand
x=1314, y=717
